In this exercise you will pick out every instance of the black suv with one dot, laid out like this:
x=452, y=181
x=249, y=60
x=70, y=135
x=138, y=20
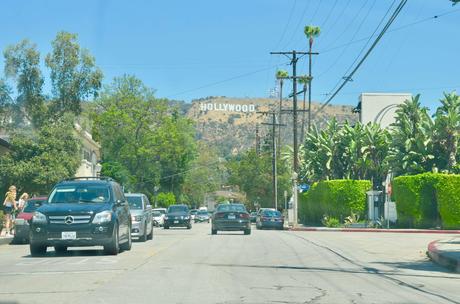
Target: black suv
x=177, y=216
x=82, y=212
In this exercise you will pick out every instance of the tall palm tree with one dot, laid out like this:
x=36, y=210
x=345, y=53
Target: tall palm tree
x=447, y=127
x=305, y=81
x=311, y=32
x=281, y=75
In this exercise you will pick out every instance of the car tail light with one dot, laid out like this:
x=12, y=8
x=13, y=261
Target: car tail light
x=244, y=215
x=263, y=218
x=220, y=215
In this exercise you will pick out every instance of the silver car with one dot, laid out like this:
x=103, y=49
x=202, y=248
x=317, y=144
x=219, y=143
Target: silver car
x=141, y=215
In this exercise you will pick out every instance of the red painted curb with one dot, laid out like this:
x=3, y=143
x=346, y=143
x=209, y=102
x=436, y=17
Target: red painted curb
x=438, y=257
x=377, y=230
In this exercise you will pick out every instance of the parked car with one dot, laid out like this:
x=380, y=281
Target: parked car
x=253, y=216
x=202, y=216
x=158, y=218
x=231, y=217
x=270, y=218
x=82, y=212
x=21, y=223
x=141, y=216
x=193, y=213
x=178, y=216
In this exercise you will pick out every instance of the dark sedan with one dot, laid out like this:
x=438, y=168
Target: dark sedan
x=202, y=216
x=231, y=217
x=22, y=221
x=270, y=218
x=177, y=216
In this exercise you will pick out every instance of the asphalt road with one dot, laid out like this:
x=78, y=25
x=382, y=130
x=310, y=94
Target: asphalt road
x=193, y=266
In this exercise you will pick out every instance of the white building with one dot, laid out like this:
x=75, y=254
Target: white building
x=380, y=107
x=90, y=152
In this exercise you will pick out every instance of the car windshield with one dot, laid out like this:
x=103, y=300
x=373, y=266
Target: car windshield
x=231, y=207
x=32, y=205
x=135, y=202
x=162, y=211
x=202, y=213
x=156, y=213
x=82, y=193
x=271, y=213
x=173, y=209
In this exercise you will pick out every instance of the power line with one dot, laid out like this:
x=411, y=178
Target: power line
x=348, y=78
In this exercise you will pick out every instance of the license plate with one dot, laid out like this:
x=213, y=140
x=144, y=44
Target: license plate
x=231, y=217
x=176, y=222
x=69, y=235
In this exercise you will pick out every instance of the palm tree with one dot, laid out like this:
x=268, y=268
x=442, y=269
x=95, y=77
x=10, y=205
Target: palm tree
x=447, y=127
x=305, y=81
x=281, y=75
x=311, y=32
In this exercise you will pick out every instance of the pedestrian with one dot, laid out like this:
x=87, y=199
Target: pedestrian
x=10, y=206
x=22, y=201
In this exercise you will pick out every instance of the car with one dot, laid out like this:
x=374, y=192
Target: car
x=231, y=217
x=270, y=218
x=21, y=223
x=202, y=216
x=177, y=216
x=83, y=211
x=253, y=216
x=158, y=218
x=193, y=213
x=141, y=216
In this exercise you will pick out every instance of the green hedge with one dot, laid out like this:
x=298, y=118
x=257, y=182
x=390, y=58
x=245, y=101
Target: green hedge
x=334, y=198
x=428, y=200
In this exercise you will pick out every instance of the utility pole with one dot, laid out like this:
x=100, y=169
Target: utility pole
x=274, y=124
x=292, y=55
x=257, y=140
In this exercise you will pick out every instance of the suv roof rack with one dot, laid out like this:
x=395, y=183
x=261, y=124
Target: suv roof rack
x=89, y=178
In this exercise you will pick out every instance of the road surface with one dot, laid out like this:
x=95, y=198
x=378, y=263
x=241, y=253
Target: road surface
x=193, y=266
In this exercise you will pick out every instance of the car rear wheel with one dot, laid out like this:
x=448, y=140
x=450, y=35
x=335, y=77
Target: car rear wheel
x=213, y=231
x=189, y=226
x=150, y=235
x=36, y=250
x=166, y=227
x=60, y=249
x=247, y=231
x=128, y=244
x=143, y=238
x=114, y=247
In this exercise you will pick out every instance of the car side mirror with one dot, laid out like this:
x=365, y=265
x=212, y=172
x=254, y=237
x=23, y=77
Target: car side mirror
x=119, y=202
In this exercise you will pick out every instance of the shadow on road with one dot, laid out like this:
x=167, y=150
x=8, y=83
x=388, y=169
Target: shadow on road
x=70, y=253
x=423, y=265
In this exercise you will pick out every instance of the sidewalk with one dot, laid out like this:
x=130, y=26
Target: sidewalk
x=4, y=240
x=446, y=253
x=325, y=229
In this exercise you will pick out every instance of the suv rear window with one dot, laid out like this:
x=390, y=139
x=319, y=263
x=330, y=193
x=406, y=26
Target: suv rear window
x=231, y=207
x=173, y=209
x=80, y=194
x=135, y=202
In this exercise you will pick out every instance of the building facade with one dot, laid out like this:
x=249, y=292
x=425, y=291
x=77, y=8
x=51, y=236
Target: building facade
x=380, y=107
x=90, y=154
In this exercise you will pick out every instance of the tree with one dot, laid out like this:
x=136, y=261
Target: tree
x=142, y=141
x=40, y=159
x=22, y=63
x=447, y=130
x=281, y=75
x=74, y=75
x=204, y=176
x=311, y=32
x=165, y=199
x=411, y=150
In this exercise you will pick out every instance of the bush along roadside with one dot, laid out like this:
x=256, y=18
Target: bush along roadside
x=428, y=200
x=333, y=199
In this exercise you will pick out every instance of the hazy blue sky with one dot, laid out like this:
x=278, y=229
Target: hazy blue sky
x=182, y=48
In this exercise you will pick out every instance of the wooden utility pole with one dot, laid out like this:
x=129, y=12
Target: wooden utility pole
x=274, y=124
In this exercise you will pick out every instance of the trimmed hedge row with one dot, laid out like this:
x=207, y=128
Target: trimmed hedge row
x=428, y=200
x=334, y=198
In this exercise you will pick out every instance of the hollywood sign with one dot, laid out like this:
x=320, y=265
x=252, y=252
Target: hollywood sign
x=227, y=107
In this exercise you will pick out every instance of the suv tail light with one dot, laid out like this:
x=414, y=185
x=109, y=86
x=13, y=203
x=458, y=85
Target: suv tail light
x=220, y=215
x=244, y=215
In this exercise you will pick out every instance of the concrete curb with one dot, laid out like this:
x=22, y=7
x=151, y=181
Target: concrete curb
x=441, y=258
x=324, y=229
x=5, y=240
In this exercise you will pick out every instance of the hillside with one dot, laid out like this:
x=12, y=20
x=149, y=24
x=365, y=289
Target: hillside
x=230, y=123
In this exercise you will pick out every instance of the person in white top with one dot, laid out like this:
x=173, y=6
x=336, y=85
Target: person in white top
x=22, y=201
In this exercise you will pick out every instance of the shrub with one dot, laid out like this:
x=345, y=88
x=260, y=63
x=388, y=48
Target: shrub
x=331, y=222
x=2, y=220
x=428, y=200
x=336, y=198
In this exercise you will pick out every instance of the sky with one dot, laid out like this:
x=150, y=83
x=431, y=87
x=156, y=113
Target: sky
x=192, y=49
